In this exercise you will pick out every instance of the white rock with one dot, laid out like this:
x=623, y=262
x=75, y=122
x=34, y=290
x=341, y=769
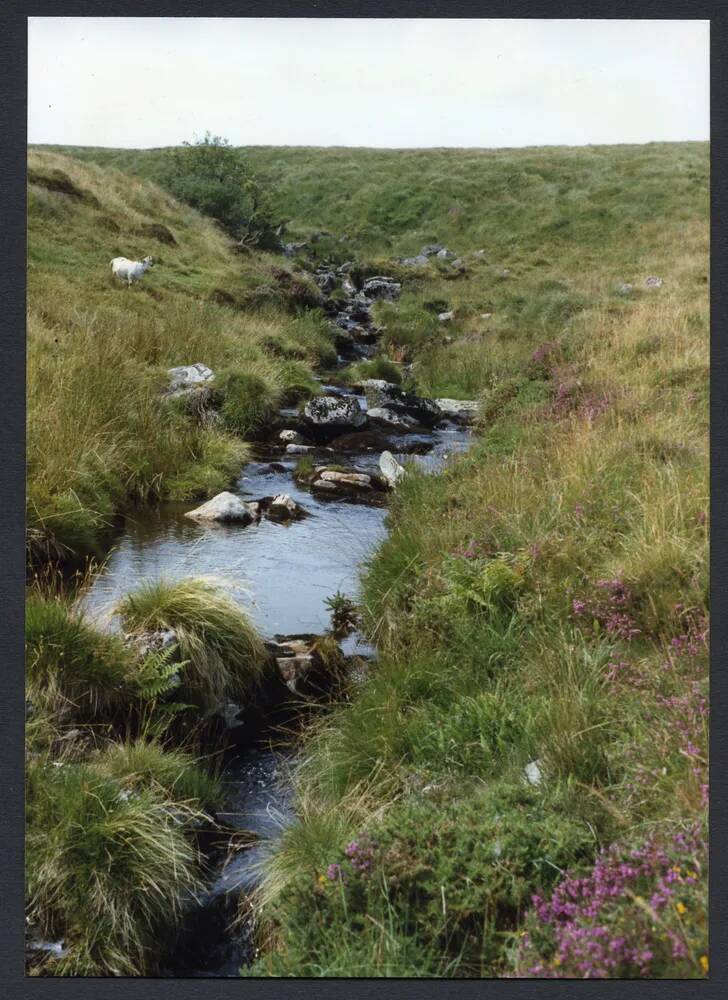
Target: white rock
x=533, y=773
x=226, y=508
x=351, y=478
x=446, y=316
x=654, y=282
x=390, y=468
x=290, y=437
x=463, y=410
x=341, y=411
x=283, y=507
x=188, y=375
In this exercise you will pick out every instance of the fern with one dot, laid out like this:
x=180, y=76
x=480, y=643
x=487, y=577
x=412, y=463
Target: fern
x=159, y=674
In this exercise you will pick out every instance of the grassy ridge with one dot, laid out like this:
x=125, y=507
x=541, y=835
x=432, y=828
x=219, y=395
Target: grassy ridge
x=541, y=605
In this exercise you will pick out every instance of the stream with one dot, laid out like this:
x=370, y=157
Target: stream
x=281, y=573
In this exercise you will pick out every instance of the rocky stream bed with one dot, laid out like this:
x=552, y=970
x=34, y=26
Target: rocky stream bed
x=281, y=542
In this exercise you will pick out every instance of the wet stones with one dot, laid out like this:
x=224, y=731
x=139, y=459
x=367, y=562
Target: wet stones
x=347, y=484
x=393, y=421
x=225, y=508
x=284, y=508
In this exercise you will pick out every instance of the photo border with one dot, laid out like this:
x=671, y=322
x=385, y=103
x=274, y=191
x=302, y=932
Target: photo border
x=13, y=109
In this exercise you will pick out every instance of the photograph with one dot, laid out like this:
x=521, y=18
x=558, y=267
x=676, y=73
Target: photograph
x=367, y=485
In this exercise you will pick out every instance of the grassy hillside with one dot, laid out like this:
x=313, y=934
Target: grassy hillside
x=520, y=786
x=100, y=437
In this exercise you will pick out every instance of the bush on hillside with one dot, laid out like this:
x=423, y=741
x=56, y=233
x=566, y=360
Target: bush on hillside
x=214, y=178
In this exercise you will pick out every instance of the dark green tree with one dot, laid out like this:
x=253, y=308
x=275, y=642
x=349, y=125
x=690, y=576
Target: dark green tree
x=213, y=177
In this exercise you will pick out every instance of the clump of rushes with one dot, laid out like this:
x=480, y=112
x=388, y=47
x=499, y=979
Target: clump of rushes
x=109, y=866
x=71, y=666
x=146, y=764
x=248, y=400
x=223, y=655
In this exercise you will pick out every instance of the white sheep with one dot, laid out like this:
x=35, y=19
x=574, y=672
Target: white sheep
x=130, y=270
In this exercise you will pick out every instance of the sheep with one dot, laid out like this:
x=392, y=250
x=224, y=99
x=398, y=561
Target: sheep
x=130, y=270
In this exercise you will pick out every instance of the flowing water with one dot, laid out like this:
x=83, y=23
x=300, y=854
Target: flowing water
x=281, y=573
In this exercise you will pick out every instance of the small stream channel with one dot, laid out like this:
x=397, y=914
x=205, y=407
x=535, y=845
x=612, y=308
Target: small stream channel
x=281, y=574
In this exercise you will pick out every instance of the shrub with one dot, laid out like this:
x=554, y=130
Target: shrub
x=639, y=912
x=448, y=875
x=214, y=178
x=224, y=656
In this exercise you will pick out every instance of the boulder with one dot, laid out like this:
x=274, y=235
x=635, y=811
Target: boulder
x=390, y=468
x=392, y=420
x=358, y=479
x=292, y=669
x=462, y=411
x=446, y=317
x=291, y=249
x=284, y=508
x=459, y=265
x=226, y=508
x=335, y=412
x=187, y=377
x=290, y=437
x=417, y=261
x=625, y=288
x=389, y=396
x=653, y=282
x=445, y=254
x=326, y=280
x=381, y=287
x=432, y=249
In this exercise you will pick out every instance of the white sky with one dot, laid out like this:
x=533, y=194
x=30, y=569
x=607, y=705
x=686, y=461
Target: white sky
x=139, y=82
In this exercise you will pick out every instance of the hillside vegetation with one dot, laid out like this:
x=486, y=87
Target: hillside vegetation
x=519, y=788
x=100, y=436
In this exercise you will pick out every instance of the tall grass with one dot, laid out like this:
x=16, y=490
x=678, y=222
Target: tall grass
x=100, y=434
x=108, y=867
x=223, y=655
